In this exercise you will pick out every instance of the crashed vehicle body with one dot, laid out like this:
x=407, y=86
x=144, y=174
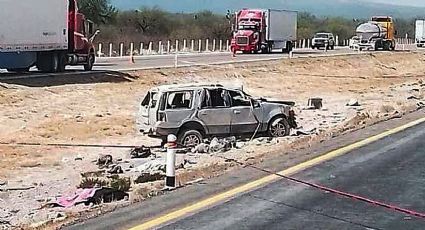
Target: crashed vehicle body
x=195, y=112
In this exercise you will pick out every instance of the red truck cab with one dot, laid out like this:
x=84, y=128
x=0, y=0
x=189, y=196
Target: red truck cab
x=249, y=35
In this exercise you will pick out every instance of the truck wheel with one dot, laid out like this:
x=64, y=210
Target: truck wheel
x=387, y=46
x=54, y=64
x=190, y=138
x=279, y=127
x=48, y=62
x=90, y=63
x=62, y=62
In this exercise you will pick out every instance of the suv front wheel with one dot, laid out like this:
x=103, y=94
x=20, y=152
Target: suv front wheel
x=190, y=138
x=279, y=127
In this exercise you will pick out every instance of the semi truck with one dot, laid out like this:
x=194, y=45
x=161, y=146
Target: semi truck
x=377, y=34
x=258, y=30
x=420, y=33
x=48, y=34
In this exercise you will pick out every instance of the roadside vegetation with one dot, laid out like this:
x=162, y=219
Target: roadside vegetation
x=154, y=24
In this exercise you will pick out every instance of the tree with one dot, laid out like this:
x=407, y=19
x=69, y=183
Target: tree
x=99, y=11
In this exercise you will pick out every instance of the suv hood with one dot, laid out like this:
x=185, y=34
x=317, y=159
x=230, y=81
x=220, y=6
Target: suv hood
x=276, y=101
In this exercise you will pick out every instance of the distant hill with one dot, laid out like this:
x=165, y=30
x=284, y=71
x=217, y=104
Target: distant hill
x=344, y=8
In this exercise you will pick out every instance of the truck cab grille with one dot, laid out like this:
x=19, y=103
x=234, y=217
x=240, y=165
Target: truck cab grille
x=242, y=40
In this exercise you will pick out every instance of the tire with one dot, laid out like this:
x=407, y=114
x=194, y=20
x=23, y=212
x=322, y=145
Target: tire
x=387, y=46
x=278, y=127
x=288, y=48
x=89, y=65
x=377, y=45
x=48, y=62
x=62, y=62
x=190, y=138
x=332, y=47
x=54, y=64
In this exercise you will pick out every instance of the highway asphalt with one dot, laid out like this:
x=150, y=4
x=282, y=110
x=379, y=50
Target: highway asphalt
x=389, y=170
x=125, y=64
x=202, y=59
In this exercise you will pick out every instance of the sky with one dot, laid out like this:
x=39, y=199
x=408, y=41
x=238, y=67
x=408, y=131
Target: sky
x=402, y=2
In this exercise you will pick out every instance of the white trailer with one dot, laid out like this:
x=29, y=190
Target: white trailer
x=420, y=33
x=21, y=28
x=281, y=28
x=48, y=34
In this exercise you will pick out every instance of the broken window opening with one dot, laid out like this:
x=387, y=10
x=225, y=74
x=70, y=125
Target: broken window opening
x=180, y=100
x=216, y=98
x=147, y=99
x=239, y=99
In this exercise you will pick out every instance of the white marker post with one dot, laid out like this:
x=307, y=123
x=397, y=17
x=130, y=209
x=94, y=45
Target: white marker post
x=404, y=43
x=207, y=44
x=192, y=46
x=121, y=49
x=160, y=48
x=99, y=52
x=170, y=172
x=110, y=49
x=184, y=45
x=168, y=47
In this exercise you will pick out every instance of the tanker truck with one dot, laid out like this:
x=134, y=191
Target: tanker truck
x=264, y=30
x=48, y=34
x=377, y=34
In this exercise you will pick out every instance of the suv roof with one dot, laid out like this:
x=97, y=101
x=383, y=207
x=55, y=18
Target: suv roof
x=192, y=86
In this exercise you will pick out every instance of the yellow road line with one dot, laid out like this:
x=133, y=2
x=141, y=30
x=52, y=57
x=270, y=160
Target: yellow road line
x=268, y=179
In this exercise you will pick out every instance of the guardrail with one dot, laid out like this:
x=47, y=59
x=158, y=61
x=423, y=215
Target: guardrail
x=195, y=46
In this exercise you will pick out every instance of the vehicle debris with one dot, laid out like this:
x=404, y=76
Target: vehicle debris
x=116, y=170
x=104, y=161
x=141, y=152
x=353, y=102
x=305, y=132
x=151, y=166
x=201, y=148
x=315, y=103
x=149, y=177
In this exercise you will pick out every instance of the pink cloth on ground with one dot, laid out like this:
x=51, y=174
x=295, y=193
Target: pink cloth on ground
x=80, y=196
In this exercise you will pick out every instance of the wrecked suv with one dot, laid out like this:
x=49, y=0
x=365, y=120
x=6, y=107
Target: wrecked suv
x=195, y=112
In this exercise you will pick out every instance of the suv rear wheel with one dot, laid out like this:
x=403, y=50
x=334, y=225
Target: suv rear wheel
x=190, y=138
x=279, y=127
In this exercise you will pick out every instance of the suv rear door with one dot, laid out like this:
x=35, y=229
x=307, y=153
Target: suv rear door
x=215, y=111
x=147, y=112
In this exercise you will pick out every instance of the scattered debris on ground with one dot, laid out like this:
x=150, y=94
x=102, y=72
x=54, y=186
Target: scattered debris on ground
x=343, y=94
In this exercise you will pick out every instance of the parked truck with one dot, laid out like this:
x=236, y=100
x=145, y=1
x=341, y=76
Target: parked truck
x=264, y=30
x=48, y=34
x=420, y=33
x=377, y=34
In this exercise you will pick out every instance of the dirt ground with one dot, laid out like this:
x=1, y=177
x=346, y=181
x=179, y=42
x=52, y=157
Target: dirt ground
x=103, y=112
